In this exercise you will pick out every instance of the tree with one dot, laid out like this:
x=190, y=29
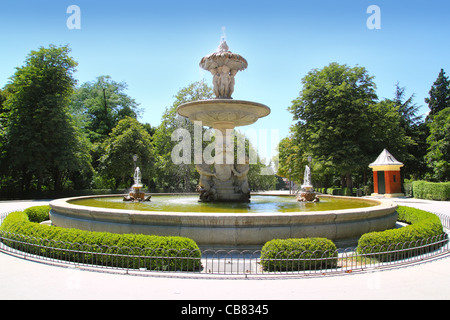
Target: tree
x=439, y=94
x=128, y=138
x=170, y=176
x=100, y=105
x=407, y=109
x=42, y=139
x=3, y=124
x=2, y=100
x=438, y=156
x=260, y=176
x=290, y=160
x=386, y=131
x=332, y=120
x=417, y=131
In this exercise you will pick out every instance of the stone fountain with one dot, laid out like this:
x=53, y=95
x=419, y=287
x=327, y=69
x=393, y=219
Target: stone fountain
x=224, y=180
x=307, y=194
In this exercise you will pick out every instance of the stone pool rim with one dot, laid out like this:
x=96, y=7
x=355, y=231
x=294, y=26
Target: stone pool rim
x=228, y=229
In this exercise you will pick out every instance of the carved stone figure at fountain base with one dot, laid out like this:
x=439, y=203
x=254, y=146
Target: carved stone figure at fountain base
x=137, y=197
x=226, y=184
x=222, y=194
x=307, y=196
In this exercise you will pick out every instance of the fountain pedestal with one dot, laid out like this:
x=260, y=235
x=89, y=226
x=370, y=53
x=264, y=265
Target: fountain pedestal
x=307, y=195
x=136, y=193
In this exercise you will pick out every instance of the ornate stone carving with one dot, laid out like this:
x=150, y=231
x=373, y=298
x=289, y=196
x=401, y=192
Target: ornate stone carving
x=223, y=65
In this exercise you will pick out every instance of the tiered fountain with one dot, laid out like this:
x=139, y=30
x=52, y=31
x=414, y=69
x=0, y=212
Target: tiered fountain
x=227, y=180
x=223, y=187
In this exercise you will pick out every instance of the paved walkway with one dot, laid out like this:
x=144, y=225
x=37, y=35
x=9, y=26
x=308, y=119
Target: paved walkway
x=23, y=279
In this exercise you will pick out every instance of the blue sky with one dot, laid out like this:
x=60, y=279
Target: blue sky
x=155, y=46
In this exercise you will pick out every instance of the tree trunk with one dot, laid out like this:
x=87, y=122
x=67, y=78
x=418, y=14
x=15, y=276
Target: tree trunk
x=26, y=180
x=343, y=181
x=57, y=178
x=39, y=180
x=349, y=180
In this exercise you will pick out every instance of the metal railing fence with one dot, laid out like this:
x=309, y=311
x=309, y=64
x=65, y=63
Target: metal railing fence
x=224, y=262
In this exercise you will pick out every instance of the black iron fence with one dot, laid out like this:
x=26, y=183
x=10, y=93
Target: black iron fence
x=224, y=262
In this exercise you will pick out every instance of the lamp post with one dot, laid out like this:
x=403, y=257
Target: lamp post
x=290, y=182
x=309, y=161
x=135, y=157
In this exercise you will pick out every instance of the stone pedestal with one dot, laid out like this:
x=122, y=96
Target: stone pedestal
x=225, y=180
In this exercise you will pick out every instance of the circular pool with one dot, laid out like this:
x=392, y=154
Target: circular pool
x=227, y=224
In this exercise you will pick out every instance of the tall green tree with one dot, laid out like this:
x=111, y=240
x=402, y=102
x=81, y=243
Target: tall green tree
x=407, y=109
x=2, y=99
x=3, y=124
x=170, y=176
x=291, y=160
x=100, y=105
x=416, y=130
x=43, y=143
x=332, y=123
x=439, y=98
x=127, y=139
x=438, y=156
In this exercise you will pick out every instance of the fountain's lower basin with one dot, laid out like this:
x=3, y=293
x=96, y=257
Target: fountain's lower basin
x=228, y=228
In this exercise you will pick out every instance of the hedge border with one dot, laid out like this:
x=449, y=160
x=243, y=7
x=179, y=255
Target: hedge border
x=299, y=254
x=423, y=228
x=166, y=253
x=439, y=191
x=136, y=250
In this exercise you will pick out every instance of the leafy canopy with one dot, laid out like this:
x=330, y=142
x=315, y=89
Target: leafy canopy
x=42, y=139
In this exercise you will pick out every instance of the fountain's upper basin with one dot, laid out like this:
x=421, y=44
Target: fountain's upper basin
x=216, y=112
x=227, y=228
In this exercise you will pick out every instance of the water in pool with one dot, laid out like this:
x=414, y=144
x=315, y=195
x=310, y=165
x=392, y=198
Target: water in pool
x=189, y=203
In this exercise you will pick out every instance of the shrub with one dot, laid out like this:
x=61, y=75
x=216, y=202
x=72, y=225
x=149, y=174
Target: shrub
x=408, y=187
x=341, y=191
x=321, y=190
x=298, y=254
x=425, y=229
x=431, y=190
x=101, y=248
x=334, y=191
x=38, y=213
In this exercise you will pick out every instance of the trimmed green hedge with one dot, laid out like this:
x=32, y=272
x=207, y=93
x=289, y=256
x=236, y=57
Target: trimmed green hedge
x=423, y=229
x=38, y=214
x=431, y=190
x=341, y=191
x=102, y=248
x=298, y=254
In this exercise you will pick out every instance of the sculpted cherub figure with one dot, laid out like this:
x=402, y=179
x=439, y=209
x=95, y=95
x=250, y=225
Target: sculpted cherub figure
x=224, y=82
x=240, y=173
x=216, y=81
x=206, y=184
